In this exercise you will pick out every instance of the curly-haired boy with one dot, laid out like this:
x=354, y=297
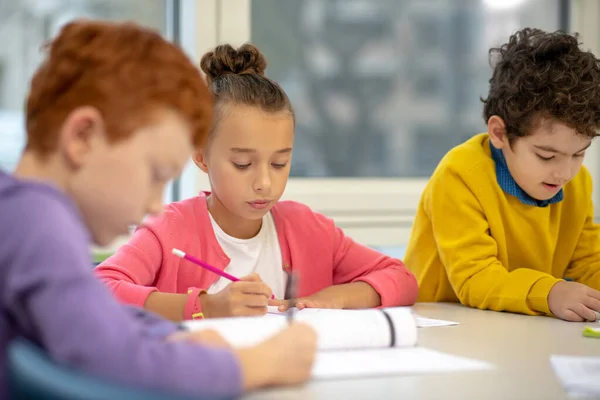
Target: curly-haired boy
x=506, y=222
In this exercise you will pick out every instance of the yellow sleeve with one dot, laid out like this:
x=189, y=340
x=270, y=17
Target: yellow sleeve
x=585, y=264
x=470, y=254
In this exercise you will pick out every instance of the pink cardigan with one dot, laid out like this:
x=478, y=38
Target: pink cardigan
x=310, y=243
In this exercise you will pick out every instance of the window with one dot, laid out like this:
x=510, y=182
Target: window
x=382, y=90
x=381, y=86
x=26, y=24
x=24, y=27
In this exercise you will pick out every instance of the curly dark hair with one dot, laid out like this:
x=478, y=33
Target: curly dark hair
x=539, y=74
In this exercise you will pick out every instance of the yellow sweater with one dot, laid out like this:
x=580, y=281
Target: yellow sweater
x=475, y=244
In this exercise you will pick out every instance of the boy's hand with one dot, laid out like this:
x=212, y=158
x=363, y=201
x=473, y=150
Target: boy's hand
x=574, y=301
x=206, y=337
x=247, y=297
x=285, y=359
x=326, y=298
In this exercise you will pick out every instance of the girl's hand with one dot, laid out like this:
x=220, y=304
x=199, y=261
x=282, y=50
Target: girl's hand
x=247, y=297
x=326, y=298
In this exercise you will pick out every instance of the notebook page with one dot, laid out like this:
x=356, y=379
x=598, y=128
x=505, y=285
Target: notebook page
x=351, y=329
x=336, y=329
x=348, y=329
x=240, y=331
x=378, y=362
x=405, y=325
x=422, y=322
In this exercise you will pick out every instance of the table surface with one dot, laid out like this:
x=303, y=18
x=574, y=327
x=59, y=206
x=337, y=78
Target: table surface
x=519, y=347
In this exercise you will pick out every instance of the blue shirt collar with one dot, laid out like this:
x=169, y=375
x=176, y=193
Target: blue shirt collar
x=509, y=185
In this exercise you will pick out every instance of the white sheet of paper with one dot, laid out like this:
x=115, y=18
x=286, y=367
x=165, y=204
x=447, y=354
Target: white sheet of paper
x=424, y=322
x=332, y=361
x=396, y=361
x=578, y=375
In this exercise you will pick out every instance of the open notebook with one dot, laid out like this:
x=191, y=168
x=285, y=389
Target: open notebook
x=351, y=343
x=336, y=329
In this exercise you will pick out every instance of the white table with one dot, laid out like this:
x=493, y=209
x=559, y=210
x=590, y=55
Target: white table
x=519, y=347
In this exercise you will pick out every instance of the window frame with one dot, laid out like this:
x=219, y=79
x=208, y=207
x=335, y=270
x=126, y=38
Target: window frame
x=188, y=25
x=377, y=212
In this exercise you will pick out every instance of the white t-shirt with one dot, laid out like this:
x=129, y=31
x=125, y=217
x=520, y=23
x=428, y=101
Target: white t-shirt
x=260, y=254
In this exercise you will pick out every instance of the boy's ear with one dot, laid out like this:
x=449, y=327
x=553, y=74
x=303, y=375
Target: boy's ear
x=199, y=158
x=497, y=132
x=81, y=131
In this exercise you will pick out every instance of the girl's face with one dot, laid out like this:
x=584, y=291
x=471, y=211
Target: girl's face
x=248, y=164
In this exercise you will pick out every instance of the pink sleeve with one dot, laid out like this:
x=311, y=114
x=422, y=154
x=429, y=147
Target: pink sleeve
x=130, y=273
x=353, y=262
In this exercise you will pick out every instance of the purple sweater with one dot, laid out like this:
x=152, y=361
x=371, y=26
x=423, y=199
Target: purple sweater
x=49, y=295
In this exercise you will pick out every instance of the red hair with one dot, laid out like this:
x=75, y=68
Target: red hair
x=123, y=70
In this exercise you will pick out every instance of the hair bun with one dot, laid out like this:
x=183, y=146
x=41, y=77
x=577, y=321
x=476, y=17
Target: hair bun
x=224, y=60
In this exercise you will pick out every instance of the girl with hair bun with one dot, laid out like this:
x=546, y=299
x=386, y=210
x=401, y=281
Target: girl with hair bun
x=242, y=228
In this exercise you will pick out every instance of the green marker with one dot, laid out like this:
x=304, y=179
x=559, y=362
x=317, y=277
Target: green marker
x=588, y=331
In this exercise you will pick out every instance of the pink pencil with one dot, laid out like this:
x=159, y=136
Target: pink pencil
x=185, y=256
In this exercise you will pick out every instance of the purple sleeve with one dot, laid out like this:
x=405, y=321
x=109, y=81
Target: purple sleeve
x=155, y=325
x=49, y=287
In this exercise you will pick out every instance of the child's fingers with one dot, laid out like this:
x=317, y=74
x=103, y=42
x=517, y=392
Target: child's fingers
x=287, y=304
x=595, y=294
x=252, y=300
x=255, y=288
x=585, y=313
x=254, y=311
x=592, y=303
x=572, y=316
x=284, y=305
x=253, y=277
x=301, y=304
x=210, y=337
x=275, y=302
